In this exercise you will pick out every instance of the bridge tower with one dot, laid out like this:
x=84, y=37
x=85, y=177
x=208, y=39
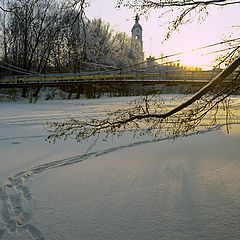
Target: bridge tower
x=137, y=30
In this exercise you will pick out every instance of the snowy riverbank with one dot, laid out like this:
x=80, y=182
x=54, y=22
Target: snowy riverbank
x=34, y=94
x=123, y=189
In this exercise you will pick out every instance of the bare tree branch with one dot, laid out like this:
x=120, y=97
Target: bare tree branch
x=144, y=116
x=185, y=10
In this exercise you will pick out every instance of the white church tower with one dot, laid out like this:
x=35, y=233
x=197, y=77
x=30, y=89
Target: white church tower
x=137, y=31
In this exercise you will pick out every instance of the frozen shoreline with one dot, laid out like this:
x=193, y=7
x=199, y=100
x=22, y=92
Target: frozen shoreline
x=124, y=189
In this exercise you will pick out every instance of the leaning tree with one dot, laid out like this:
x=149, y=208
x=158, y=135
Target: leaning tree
x=149, y=114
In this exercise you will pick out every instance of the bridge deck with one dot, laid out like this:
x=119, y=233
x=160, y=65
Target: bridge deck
x=171, y=78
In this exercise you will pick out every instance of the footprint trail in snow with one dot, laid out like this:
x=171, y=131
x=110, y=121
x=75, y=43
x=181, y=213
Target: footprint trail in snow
x=16, y=208
x=16, y=202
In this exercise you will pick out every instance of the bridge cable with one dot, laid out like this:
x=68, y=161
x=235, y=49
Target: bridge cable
x=18, y=68
x=180, y=53
x=14, y=70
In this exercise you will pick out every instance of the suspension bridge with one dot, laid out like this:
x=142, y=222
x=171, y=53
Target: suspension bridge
x=124, y=77
x=117, y=83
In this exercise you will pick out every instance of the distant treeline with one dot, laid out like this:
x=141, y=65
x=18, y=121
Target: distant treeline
x=46, y=36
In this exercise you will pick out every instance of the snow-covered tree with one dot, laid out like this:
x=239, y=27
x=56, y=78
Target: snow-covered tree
x=32, y=27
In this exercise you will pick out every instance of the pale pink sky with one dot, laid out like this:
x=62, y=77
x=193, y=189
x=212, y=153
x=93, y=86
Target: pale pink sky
x=213, y=29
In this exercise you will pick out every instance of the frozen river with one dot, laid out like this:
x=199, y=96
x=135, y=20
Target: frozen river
x=123, y=189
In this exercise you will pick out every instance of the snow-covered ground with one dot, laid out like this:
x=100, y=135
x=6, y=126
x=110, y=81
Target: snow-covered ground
x=123, y=189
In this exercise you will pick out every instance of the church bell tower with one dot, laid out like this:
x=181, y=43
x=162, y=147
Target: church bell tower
x=137, y=30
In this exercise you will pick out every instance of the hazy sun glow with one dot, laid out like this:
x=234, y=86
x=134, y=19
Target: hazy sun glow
x=196, y=59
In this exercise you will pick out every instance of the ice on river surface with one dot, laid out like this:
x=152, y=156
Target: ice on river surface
x=124, y=189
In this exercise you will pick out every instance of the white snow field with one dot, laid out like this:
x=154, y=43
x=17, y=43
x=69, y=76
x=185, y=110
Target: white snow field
x=123, y=189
